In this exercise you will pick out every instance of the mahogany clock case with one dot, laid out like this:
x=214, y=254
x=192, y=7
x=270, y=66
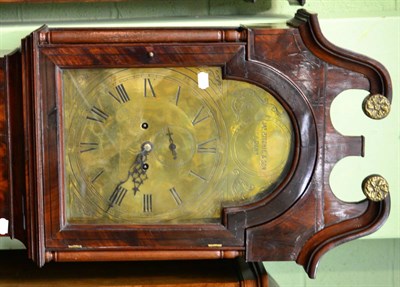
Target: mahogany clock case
x=299, y=220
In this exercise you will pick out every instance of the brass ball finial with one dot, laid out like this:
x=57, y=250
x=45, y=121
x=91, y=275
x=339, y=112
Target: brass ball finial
x=375, y=187
x=376, y=106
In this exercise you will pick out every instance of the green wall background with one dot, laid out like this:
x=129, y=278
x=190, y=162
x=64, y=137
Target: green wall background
x=369, y=27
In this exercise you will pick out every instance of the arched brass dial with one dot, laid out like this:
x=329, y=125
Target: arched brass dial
x=151, y=145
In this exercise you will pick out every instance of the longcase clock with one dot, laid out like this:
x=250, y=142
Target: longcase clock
x=178, y=144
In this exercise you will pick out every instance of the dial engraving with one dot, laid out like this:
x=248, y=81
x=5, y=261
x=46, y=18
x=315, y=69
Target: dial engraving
x=117, y=196
x=192, y=173
x=122, y=94
x=97, y=175
x=88, y=146
x=177, y=95
x=208, y=146
x=97, y=115
x=175, y=195
x=147, y=203
x=200, y=116
x=148, y=88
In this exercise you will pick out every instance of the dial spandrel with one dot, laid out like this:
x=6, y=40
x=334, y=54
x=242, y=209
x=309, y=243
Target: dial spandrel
x=149, y=146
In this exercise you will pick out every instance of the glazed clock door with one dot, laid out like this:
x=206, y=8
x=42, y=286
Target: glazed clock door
x=159, y=147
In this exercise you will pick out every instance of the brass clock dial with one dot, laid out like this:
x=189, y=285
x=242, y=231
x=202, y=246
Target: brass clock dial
x=164, y=145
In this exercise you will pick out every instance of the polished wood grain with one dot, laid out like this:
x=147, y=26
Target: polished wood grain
x=300, y=220
x=12, y=146
x=322, y=71
x=16, y=270
x=4, y=180
x=144, y=255
x=147, y=35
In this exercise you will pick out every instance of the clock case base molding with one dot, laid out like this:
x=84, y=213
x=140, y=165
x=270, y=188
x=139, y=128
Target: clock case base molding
x=300, y=221
x=194, y=273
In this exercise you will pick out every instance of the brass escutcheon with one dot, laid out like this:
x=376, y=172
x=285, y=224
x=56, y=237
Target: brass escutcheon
x=376, y=106
x=375, y=187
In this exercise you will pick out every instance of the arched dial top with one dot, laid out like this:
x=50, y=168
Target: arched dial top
x=168, y=145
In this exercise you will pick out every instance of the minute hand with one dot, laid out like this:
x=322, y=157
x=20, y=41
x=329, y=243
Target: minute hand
x=137, y=174
x=138, y=170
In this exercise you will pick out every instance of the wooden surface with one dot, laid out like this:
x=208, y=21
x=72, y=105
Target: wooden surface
x=4, y=180
x=16, y=270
